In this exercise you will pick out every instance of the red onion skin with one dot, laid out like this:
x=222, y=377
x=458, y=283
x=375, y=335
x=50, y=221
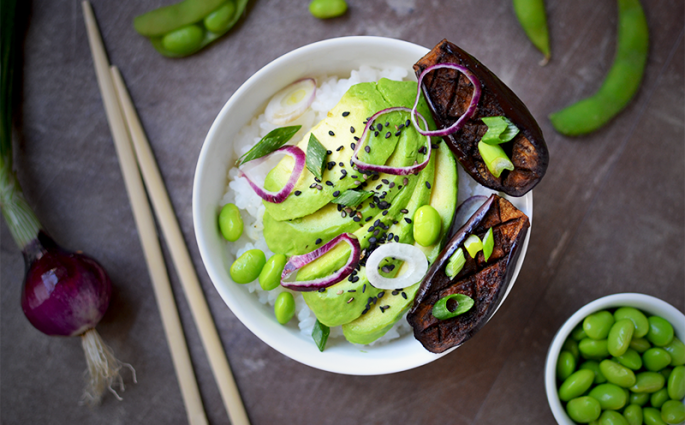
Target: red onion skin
x=64, y=293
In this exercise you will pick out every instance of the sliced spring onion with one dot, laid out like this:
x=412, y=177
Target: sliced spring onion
x=473, y=244
x=442, y=312
x=500, y=130
x=352, y=198
x=281, y=195
x=396, y=171
x=269, y=143
x=455, y=264
x=466, y=209
x=417, y=265
x=495, y=158
x=320, y=334
x=316, y=156
x=488, y=243
x=459, y=123
x=296, y=262
x=291, y=102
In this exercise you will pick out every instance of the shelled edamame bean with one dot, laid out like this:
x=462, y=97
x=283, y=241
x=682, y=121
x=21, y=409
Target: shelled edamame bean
x=184, y=28
x=623, y=367
x=326, y=9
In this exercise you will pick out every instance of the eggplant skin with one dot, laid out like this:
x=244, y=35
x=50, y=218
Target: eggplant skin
x=484, y=281
x=449, y=92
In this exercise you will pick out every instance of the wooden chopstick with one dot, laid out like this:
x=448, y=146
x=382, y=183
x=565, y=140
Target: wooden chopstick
x=145, y=224
x=116, y=96
x=181, y=258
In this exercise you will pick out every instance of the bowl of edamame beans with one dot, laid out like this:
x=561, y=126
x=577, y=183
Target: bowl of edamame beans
x=619, y=360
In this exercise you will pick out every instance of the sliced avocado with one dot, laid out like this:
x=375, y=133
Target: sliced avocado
x=376, y=323
x=329, y=306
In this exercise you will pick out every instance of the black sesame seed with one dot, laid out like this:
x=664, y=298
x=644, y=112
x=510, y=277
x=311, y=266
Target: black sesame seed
x=385, y=212
x=377, y=222
x=343, y=172
x=373, y=240
x=352, y=130
x=371, y=229
x=346, y=113
x=318, y=241
x=336, y=194
x=354, y=279
x=376, y=177
x=397, y=238
x=397, y=133
x=312, y=186
x=387, y=135
x=372, y=205
x=339, y=148
x=330, y=133
x=319, y=187
x=356, y=138
x=384, y=269
x=387, y=123
x=364, y=288
x=316, y=179
x=395, y=292
x=343, y=214
x=367, y=149
x=351, y=290
x=385, y=181
x=357, y=219
x=375, y=133
x=379, y=186
x=376, y=232
x=329, y=183
x=390, y=235
x=434, y=146
x=406, y=123
x=408, y=220
x=354, y=177
x=322, y=290
x=422, y=150
x=328, y=152
x=368, y=218
x=428, y=185
x=404, y=295
x=382, y=309
x=298, y=193
x=391, y=185
x=400, y=127
x=404, y=211
x=352, y=145
x=379, y=127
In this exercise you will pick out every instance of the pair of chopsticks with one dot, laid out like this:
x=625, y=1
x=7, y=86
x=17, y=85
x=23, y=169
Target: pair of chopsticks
x=128, y=134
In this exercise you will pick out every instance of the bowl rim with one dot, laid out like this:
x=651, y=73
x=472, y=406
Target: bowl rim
x=644, y=302
x=201, y=228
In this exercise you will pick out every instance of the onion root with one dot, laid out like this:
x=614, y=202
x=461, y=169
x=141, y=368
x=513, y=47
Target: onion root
x=103, y=368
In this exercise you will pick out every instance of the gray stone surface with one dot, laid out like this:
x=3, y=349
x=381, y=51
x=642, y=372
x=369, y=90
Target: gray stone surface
x=609, y=215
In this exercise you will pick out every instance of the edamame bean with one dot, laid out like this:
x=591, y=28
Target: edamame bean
x=220, y=19
x=610, y=396
x=593, y=349
x=638, y=398
x=620, y=84
x=676, y=383
x=183, y=40
x=576, y=384
x=248, y=266
x=594, y=366
x=648, y=382
x=656, y=359
x=566, y=364
x=597, y=325
x=617, y=374
x=427, y=225
x=572, y=347
x=583, y=409
x=658, y=398
x=609, y=417
x=640, y=344
x=325, y=9
x=630, y=359
x=532, y=17
x=635, y=316
x=666, y=372
x=230, y=222
x=284, y=308
x=676, y=349
x=270, y=277
x=619, y=337
x=652, y=416
x=660, y=331
x=578, y=333
x=159, y=22
x=633, y=414
x=673, y=412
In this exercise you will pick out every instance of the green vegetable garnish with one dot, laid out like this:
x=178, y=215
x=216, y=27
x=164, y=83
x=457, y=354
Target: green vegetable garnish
x=442, y=312
x=352, y=198
x=473, y=244
x=269, y=143
x=495, y=158
x=456, y=263
x=488, y=244
x=316, y=156
x=320, y=334
x=500, y=130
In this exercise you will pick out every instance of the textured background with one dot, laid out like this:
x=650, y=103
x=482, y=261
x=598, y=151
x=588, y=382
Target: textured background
x=609, y=215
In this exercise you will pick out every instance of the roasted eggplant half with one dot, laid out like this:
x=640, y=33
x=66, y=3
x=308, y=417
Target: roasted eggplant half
x=485, y=282
x=449, y=94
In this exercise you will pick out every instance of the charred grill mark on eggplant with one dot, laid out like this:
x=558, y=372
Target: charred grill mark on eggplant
x=449, y=92
x=485, y=282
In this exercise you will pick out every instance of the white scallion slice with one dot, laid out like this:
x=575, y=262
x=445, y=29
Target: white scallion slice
x=291, y=102
x=415, y=259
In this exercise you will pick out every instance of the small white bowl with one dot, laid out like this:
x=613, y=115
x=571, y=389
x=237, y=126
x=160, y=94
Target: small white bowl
x=330, y=57
x=646, y=303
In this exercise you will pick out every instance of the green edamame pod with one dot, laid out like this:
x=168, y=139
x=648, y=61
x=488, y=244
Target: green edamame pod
x=633, y=414
x=184, y=40
x=673, y=412
x=566, y=365
x=648, y=382
x=676, y=349
x=617, y=374
x=583, y=409
x=576, y=384
x=619, y=337
x=620, y=84
x=676, y=383
x=597, y=325
x=636, y=316
x=159, y=22
x=656, y=359
x=533, y=18
x=652, y=416
x=658, y=398
x=219, y=20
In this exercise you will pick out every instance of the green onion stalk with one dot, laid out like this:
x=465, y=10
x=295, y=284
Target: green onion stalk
x=64, y=293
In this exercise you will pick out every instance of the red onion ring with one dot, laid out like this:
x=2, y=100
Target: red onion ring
x=281, y=195
x=396, y=171
x=475, y=98
x=296, y=262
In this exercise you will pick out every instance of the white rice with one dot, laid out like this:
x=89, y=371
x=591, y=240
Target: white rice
x=329, y=92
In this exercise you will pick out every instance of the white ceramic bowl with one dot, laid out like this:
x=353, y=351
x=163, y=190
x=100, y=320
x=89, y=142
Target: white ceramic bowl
x=330, y=57
x=646, y=303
